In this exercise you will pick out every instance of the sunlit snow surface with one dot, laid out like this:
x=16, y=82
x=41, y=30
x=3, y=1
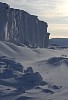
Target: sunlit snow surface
x=33, y=74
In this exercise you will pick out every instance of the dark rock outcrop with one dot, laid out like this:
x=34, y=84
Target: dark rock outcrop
x=18, y=26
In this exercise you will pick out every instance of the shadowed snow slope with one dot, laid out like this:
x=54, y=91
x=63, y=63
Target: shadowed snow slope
x=40, y=73
x=24, y=53
x=17, y=52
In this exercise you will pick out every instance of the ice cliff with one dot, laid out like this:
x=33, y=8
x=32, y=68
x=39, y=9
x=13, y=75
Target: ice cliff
x=18, y=26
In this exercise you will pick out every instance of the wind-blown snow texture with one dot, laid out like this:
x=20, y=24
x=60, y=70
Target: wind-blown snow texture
x=33, y=73
x=18, y=26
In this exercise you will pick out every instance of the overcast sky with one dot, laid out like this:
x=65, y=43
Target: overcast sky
x=54, y=12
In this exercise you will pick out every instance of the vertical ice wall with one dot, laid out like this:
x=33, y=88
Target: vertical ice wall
x=3, y=20
x=18, y=26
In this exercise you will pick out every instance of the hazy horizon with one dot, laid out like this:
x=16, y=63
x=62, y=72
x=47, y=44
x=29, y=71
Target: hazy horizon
x=54, y=12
